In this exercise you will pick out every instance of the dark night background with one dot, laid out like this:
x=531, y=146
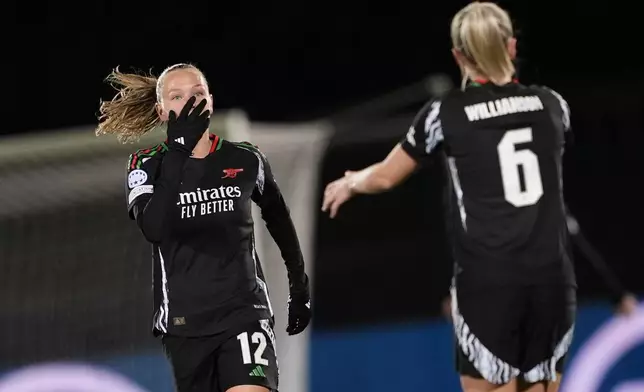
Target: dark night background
x=296, y=61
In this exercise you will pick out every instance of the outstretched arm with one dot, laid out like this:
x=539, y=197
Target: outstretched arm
x=384, y=175
x=377, y=178
x=423, y=137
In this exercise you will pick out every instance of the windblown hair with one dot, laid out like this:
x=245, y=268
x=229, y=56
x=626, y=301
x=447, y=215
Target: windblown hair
x=481, y=32
x=132, y=112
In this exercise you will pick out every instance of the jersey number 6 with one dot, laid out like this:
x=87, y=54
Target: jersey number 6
x=257, y=337
x=511, y=161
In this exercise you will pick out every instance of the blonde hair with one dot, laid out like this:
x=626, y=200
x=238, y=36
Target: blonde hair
x=481, y=32
x=132, y=112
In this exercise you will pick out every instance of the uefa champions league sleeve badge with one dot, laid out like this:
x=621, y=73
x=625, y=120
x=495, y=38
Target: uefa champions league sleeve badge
x=136, y=178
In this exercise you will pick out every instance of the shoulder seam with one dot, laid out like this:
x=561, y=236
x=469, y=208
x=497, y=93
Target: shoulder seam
x=563, y=105
x=246, y=144
x=135, y=162
x=151, y=150
x=425, y=109
x=249, y=147
x=433, y=101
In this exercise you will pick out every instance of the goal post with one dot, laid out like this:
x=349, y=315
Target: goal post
x=295, y=152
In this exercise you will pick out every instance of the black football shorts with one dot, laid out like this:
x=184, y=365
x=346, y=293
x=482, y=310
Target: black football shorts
x=240, y=356
x=513, y=331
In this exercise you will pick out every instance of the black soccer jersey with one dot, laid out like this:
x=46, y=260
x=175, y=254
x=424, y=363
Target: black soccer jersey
x=503, y=149
x=197, y=215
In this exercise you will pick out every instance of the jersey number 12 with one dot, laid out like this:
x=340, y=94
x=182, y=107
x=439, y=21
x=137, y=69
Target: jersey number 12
x=257, y=337
x=512, y=161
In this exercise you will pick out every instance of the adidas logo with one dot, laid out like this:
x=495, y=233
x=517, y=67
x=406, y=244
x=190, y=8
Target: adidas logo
x=257, y=372
x=180, y=140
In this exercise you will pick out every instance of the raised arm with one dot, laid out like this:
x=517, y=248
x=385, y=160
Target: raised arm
x=150, y=205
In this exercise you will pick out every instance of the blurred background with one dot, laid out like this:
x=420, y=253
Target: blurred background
x=321, y=87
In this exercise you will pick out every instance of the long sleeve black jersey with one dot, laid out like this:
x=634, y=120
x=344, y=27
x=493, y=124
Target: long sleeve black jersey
x=197, y=214
x=503, y=149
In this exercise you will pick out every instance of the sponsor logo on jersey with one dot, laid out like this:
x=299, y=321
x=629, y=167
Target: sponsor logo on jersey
x=502, y=107
x=231, y=173
x=136, y=177
x=208, y=201
x=202, y=195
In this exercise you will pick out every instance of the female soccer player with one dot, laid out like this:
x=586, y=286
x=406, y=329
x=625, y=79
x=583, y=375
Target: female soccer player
x=191, y=197
x=514, y=290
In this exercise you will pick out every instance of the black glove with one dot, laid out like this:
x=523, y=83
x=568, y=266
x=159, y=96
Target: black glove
x=185, y=131
x=299, y=311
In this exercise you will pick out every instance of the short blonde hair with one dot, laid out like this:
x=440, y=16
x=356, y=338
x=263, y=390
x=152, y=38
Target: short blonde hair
x=132, y=112
x=481, y=32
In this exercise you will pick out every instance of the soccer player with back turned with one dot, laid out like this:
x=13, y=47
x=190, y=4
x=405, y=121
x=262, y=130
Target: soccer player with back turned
x=514, y=289
x=191, y=197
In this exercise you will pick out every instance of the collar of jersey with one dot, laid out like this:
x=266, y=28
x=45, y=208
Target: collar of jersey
x=215, y=144
x=482, y=82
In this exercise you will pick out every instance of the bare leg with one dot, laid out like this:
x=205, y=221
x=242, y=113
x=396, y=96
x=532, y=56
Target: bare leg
x=542, y=386
x=553, y=386
x=471, y=384
x=248, y=388
x=537, y=387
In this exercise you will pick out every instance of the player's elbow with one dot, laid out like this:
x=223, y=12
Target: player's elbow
x=151, y=236
x=276, y=218
x=152, y=233
x=274, y=209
